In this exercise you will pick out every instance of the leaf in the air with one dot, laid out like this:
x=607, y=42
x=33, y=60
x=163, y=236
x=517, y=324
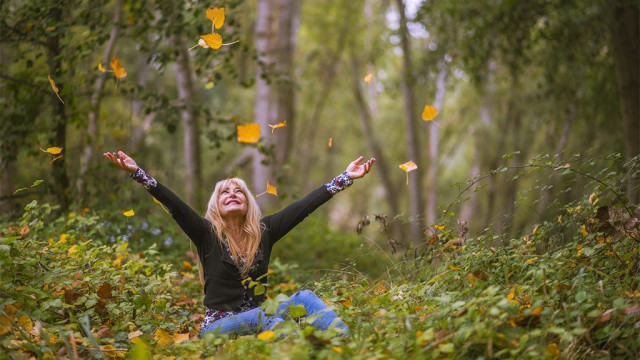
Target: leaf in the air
x=54, y=150
x=330, y=142
x=117, y=68
x=129, y=213
x=101, y=68
x=278, y=125
x=249, y=133
x=368, y=77
x=408, y=167
x=54, y=87
x=271, y=189
x=216, y=15
x=212, y=40
x=429, y=113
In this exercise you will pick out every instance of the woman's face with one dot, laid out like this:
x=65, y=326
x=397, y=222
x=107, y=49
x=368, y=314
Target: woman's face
x=232, y=201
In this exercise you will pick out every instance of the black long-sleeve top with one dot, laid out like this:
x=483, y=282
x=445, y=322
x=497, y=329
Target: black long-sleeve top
x=223, y=287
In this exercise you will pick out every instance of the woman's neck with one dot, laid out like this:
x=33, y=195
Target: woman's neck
x=235, y=227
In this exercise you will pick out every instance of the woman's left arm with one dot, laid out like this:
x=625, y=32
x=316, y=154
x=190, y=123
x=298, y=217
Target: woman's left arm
x=283, y=221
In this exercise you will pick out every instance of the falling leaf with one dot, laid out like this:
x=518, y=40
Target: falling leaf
x=429, y=113
x=278, y=125
x=128, y=213
x=266, y=335
x=368, y=77
x=439, y=227
x=161, y=204
x=271, y=189
x=54, y=87
x=249, y=133
x=408, y=167
x=163, y=338
x=104, y=291
x=119, y=70
x=330, y=142
x=102, y=69
x=54, y=150
x=212, y=40
x=216, y=15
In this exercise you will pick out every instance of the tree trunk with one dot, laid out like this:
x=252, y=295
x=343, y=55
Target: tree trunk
x=288, y=20
x=186, y=94
x=432, y=170
x=263, y=103
x=626, y=54
x=381, y=162
x=411, y=129
x=94, y=103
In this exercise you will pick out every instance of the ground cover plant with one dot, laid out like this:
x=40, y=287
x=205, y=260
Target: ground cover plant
x=91, y=284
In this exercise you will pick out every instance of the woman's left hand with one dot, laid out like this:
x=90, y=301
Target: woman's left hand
x=356, y=171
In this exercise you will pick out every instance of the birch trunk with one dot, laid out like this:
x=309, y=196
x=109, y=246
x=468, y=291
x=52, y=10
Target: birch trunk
x=434, y=130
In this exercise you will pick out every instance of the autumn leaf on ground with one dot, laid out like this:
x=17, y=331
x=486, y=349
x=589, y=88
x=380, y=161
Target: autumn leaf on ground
x=180, y=338
x=368, y=77
x=266, y=335
x=216, y=15
x=429, y=113
x=270, y=190
x=117, y=69
x=408, y=167
x=278, y=125
x=249, y=133
x=54, y=87
x=104, y=291
x=163, y=338
x=129, y=213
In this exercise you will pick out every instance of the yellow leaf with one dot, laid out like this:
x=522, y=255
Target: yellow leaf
x=408, y=166
x=5, y=325
x=368, y=77
x=54, y=150
x=63, y=238
x=180, y=338
x=454, y=268
x=212, y=40
x=346, y=302
x=512, y=294
x=278, y=125
x=111, y=351
x=163, y=338
x=530, y=260
x=337, y=349
x=249, y=133
x=536, y=311
x=187, y=265
x=583, y=230
x=102, y=69
x=553, y=350
x=54, y=87
x=119, y=70
x=330, y=142
x=429, y=113
x=580, y=248
x=128, y=213
x=439, y=227
x=72, y=250
x=266, y=335
x=271, y=189
x=216, y=15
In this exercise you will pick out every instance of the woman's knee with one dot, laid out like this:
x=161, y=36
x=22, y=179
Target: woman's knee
x=304, y=295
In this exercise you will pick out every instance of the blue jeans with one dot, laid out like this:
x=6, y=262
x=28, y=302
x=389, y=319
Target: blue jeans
x=256, y=320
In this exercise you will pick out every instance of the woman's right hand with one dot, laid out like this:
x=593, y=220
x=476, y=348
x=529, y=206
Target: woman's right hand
x=123, y=161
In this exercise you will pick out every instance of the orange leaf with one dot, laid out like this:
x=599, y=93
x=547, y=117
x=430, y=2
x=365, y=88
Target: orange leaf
x=119, y=70
x=536, y=311
x=407, y=167
x=216, y=15
x=429, y=113
x=512, y=294
x=54, y=87
x=271, y=189
x=368, y=77
x=249, y=133
x=278, y=125
x=346, y=303
x=330, y=142
x=212, y=40
x=104, y=291
x=102, y=69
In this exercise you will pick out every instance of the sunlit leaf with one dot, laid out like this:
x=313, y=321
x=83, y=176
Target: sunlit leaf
x=330, y=142
x=216, y=15
x=212, y=40
x=101, y=68
x=117, y=69
x=163, y=338
x=54, y=87
x=429, y=113
x=408, y=167
x=278, y=125
x=128, y=213
x=266, y=335
x=54, y=150
x=249, y=133
x=368, y=77
x=180, y=338
x=337, y=349
x=271, y=189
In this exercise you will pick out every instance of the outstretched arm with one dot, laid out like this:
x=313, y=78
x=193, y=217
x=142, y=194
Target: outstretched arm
x=122, y=160
x=356, y=171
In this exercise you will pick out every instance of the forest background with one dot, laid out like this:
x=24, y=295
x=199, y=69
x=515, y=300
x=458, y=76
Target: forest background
x=537, y=118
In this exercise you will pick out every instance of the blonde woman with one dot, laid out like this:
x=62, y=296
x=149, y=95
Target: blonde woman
x=234, y=243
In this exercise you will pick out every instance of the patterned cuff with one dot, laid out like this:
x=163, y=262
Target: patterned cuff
x=339, y=183
x=143, y=178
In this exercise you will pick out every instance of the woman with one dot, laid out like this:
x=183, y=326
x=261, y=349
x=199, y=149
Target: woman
x=234, y=243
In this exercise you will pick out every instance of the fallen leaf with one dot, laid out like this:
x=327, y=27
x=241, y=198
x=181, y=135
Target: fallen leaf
x=180, y=338
x=25, y=322
x=134, y=334
x=346, y=302
x=429, y=113
x=337, y=349
x=368, y=77
x=104, y=291
x=212, y=40
x=266, y=335
x=117, y=69
x=216, y=15
x=163, y=338
x=54, y=87
x=128, y=213
x=5, y=325
x=278, y=125
x=512, y=294
x=249, y=133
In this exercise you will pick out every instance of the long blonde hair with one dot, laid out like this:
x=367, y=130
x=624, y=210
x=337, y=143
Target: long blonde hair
x=252, y=230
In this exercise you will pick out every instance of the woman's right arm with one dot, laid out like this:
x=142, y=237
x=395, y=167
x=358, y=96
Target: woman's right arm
x=194, y=225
